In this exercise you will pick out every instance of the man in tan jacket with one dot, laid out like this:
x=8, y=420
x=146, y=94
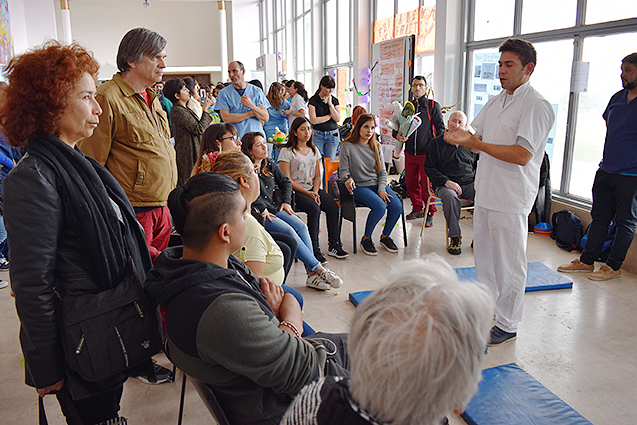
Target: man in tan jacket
x=132, y=138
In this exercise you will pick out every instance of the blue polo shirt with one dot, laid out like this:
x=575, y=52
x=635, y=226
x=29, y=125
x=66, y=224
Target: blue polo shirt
x=620, y=148
x=230, y=99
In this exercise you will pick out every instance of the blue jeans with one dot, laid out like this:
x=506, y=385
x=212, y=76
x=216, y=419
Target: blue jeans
x=614, y=196
x=293, y=226
x=368, y=196
x=326, y=142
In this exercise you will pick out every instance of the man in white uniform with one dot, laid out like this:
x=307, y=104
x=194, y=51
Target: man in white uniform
x=511, y=133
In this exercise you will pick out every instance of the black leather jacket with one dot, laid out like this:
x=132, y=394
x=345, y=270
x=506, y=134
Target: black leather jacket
x=46, y=262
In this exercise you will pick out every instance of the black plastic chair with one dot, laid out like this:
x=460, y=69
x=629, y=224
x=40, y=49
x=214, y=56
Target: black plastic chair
x=347, y=208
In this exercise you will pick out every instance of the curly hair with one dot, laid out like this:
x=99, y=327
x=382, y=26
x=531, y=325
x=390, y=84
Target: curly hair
x=39, y=84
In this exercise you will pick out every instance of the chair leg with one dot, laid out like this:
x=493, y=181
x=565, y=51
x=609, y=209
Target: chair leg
x=354, y=231
x=447, y=234
x=425, y=211
x=402, y=214
x=181, y=400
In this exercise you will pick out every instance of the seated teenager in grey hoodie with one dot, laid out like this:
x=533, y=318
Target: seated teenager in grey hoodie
x=227, y=328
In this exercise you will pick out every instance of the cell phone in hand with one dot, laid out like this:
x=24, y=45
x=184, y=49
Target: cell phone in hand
x=202, y=94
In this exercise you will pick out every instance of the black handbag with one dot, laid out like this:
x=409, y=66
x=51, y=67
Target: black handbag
x=108, y=332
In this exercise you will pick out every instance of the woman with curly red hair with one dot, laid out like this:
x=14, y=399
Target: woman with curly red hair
x=72, y=231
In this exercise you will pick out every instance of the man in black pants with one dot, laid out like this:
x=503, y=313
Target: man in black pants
x=615, y=186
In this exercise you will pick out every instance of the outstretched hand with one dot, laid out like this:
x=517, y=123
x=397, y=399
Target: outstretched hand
x=460, y=138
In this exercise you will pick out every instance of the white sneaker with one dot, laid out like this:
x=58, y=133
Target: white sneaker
x=316, y=282
x=331, y=278
x=3, y=284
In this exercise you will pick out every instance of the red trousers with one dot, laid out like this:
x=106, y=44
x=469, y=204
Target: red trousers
x=417, y=182
x=157, y=227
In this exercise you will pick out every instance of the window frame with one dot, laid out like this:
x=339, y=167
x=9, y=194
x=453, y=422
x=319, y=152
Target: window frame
x=577, y=34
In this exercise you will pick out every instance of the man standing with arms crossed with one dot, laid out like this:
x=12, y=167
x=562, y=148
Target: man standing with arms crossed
x=615, y=186
x=511, y=133
x=132, y=137
x=241, y=104
x=416, y=147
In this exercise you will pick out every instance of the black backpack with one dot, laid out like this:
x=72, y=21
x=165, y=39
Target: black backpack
x=610, y=237
x=567, y=229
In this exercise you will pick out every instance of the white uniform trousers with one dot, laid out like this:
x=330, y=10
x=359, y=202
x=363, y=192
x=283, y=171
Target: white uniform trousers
x=500, y=256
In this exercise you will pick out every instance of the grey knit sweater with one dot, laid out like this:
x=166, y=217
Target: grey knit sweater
x=359, y=162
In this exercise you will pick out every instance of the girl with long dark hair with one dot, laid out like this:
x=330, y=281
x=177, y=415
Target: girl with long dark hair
x=300, y=162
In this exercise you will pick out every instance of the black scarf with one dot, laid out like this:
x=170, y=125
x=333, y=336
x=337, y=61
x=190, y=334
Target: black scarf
x=86, y=189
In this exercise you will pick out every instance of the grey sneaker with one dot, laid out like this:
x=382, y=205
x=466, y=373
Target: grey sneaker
x=387, y=243
x=3, y=284
x=331, y=278
x=316, y=282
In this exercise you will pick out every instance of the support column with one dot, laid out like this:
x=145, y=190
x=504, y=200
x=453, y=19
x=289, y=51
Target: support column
x=223, y=39
x=66, y=22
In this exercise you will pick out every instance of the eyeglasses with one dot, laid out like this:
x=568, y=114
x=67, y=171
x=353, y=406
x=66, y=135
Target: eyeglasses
x=233, y=138
x=419, y=85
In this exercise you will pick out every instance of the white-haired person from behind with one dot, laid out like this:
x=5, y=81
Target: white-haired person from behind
x=416, y=348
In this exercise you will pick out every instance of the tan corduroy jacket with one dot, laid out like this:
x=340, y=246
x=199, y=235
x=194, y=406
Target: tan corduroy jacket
x=132, y=142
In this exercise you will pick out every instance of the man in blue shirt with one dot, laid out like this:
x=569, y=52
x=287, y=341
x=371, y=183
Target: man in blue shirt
x=615, y=186
x=241, y=104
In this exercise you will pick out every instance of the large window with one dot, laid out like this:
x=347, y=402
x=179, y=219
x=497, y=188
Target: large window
x=263, y=26
x=337, y=32
x=303, y=41
x=601, y=33
x=279, y=36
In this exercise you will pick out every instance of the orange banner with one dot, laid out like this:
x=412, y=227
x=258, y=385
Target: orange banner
x=406, y=23
x=426, y=36
x=383, y=30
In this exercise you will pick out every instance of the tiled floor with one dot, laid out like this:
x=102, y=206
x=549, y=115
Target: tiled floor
x=579, y=343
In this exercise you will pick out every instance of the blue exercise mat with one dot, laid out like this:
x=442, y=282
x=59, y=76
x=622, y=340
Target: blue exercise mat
x=538, y=277
x=507, y=395
x=357, y=297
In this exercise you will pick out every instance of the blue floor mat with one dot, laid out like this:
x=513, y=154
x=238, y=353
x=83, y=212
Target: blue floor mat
x=538, y=278
x=507, y=395
x=357, y=297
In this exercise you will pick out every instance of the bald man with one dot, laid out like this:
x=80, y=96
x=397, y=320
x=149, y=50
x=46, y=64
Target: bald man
x=241, y=104
x=452, y=171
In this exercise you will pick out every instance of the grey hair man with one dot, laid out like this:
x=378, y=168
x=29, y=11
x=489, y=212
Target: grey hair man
x=241, y=104
x=416, y=349
x=452, y=171
x=132, y=137
x=132, y=140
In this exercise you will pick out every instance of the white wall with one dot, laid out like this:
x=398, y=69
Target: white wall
x=448, y=53
x=191, y=28
x=244, y=33
x=32, y=23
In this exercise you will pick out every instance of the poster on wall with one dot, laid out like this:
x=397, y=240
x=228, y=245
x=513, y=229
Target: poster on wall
x=390, y=80
x=6, y=42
